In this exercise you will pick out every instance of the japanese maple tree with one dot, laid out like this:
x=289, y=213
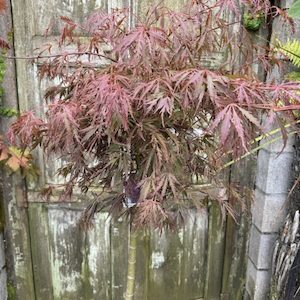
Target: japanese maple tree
x=136, y=107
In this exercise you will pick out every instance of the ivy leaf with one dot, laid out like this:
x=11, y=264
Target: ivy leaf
x=17, y=159
x=13, y=163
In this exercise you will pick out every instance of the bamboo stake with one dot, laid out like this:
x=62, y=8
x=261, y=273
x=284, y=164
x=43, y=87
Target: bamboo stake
x=131, y=269
x=252, y=151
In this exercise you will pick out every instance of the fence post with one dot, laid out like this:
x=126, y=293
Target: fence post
x=13, y=190
x=273, y=180
x=268, y=214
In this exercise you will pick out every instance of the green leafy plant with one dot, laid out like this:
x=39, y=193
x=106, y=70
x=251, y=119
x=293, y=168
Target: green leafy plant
x=291, y=49
x=252, y=22
x=8, y=112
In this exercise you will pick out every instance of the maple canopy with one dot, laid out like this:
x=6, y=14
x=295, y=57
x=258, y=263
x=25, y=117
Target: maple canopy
x=139, y=102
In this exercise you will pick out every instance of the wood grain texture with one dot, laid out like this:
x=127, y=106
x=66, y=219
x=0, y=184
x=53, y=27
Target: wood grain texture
x=215, y=250
x=119, y=255
x=178, y=261
x=16, y=232
x=40, y=249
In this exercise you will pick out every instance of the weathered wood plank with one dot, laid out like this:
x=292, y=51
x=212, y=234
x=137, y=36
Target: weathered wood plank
x=235, y=256
x=96, y=265
x=38, y=222
x=78, y=263
x=215, y=253
x=17, y=237
x=239, y=260
x=195, y=255
x=47, y=12
x=3, y=275
x=140, y=8
x=80, y=260
x=142, y=265
x=66, y=245
x=166, y=259
x=113, y=4
x=178, y=261
x=28, y=85
x=119, y=256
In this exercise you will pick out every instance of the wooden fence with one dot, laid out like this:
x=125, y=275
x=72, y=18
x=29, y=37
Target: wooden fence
x=52, y=258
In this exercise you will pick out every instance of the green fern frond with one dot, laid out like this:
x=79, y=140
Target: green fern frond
x=293, y=76
x=292, y=50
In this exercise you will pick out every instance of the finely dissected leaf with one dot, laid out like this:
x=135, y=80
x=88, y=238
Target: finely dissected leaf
x=226, y=124
x=250, y=117
x=237, y=122
x=139, y=103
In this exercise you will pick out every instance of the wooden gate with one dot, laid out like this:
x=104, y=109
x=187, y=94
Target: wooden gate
x=52, y=258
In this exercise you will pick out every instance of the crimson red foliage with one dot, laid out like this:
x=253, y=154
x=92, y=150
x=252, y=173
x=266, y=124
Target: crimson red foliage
x=140, y=100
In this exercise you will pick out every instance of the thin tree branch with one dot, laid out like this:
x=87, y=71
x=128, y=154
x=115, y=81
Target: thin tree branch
x=60, y=55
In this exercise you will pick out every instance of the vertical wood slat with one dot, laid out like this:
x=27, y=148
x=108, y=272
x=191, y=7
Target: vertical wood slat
x=38, y=225
x=178, y=261
x=17, y=235
x=82, y=264
x=66, y=242
x=195, y=255
x=96, y=266
x=119, y=255
x=80, y=261
x=237, y=233
x=235, y=258
x=142, y=265
x=28, y=85
x=216, y=243
x=166, y=256
x=77, y=265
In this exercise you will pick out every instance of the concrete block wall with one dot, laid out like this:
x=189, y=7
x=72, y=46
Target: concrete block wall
x=273, y=180
x=268, y=213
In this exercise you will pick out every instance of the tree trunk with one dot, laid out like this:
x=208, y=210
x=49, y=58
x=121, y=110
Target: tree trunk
x=131, y=269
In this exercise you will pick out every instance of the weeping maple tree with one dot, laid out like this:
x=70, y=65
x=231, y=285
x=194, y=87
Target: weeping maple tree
x=136, y=109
